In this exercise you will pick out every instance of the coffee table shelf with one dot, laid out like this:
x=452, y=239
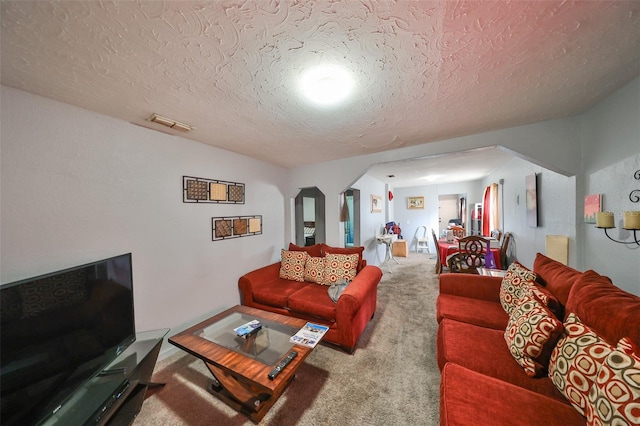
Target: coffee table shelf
x=240, y=367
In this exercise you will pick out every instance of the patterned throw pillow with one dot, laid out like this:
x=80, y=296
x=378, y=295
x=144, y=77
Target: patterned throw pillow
x=292, y=265
x=614, y=399
x=531, y=327
x=314, y=270
x=575, y=361
x=338, y=267
x=513, y=284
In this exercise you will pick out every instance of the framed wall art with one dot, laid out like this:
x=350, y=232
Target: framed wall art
x=227, y=227
x=376, y=203
x=415, y=203
x=592, y=205
x=201, y=190
x=531, y=189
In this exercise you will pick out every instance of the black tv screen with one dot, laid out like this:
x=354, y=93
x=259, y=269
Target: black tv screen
x=58, y=330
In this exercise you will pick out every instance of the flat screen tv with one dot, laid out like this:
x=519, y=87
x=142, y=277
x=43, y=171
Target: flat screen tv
x=57, y=331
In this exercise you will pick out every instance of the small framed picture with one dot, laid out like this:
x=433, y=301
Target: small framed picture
x=416, y=203
x=376, y=203
x=592, y=205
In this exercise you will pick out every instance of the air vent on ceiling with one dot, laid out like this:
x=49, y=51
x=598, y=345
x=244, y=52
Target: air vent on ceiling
x=173, y=124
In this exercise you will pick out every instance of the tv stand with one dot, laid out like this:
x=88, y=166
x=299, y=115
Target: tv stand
x=115, y=395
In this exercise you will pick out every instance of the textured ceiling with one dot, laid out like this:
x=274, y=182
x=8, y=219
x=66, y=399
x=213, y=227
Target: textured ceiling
x=424, y=70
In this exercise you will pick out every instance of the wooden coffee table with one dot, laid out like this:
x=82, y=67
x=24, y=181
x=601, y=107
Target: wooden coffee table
x=240, y=367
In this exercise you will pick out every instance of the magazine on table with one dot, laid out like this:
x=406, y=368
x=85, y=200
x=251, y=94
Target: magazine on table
x=309, y=335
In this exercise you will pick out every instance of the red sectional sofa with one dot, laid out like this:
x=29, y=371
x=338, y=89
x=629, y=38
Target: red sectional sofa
x=481, y=383
x=346, y=319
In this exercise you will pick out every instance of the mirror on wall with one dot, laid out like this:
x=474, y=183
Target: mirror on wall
x=310, y=217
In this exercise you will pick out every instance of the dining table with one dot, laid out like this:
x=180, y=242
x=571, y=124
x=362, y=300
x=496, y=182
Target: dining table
x=447, y=248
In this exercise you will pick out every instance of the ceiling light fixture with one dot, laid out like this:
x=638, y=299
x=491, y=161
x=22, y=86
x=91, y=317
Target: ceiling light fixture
x=173, y=124
x=326, y=84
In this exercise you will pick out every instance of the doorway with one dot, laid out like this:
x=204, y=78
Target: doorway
x=451, y=207
x=351, y=217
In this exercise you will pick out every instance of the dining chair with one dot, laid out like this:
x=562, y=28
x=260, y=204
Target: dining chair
x=503, y=249
x=458, y=231
x=435, y=242
x=470, y=255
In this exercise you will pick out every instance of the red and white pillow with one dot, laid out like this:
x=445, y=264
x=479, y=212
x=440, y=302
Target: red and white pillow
x=514, y=284
x=531, y=333
x=339, y=267
x=576, y=360
x=314, y=270
x=614, y=398
x=292, y=265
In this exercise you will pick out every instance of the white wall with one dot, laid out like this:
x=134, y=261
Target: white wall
x=611, y=155
x=411, y=219
x=371, y=224
x=609, y=134
x=556, y=208
x=78, y=187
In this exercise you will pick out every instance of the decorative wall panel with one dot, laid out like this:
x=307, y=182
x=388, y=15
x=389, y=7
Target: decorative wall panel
x=224, y=228
x=201, y=190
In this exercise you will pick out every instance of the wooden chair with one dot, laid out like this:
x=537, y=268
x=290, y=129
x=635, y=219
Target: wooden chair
x=435, y=241
x=458, y=231
x=497, y=234
x=504, y=248
x=470, y=255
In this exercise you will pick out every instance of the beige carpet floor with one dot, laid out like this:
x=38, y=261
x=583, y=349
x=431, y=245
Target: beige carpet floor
x=391, y=379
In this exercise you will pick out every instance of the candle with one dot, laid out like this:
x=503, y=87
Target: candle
x=631, y=220
x=605, y=220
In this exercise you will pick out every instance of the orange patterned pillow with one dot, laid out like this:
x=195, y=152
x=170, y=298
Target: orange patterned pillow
x=513, y=285
x=314, y=270
x=614, y=399
x=292, y=265
x=338, y=267
x=532, y=328
x=575, y=361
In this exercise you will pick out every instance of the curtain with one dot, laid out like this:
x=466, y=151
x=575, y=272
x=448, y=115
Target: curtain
x=486, y=205
x=490, y=211
x=344, y=213
x=494, y=213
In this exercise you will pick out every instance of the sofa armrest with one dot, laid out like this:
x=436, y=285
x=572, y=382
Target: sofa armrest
x=254, y=278
x=359, y=290
x=470, y=285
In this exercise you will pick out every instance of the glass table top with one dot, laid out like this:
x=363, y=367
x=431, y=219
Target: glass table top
x=268, y=345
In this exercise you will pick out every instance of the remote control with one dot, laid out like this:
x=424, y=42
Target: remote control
x=278, y=368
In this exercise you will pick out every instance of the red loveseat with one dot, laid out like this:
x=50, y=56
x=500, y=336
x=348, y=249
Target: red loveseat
x=346, y=319
x=481, y=383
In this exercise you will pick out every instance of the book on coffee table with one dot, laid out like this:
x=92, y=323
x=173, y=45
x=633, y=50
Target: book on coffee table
x=309, y=335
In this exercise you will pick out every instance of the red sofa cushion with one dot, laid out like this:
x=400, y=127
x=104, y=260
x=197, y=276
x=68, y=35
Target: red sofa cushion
x=475, y=286
x=470, y=398
x=473, y=311
x=484, y=350
x=608, y=310
x=313, y=300
x=314, y=250
x=555, y=276
x=277, y=291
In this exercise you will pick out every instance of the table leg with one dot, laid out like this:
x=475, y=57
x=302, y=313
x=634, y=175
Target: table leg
x=243, y=397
